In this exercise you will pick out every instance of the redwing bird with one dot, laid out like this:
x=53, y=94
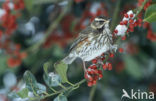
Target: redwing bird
x=91, y=42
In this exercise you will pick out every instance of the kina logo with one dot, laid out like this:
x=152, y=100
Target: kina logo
x=137, y=95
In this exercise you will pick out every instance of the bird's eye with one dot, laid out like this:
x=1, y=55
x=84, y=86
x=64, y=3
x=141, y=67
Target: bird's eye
x=101, y=22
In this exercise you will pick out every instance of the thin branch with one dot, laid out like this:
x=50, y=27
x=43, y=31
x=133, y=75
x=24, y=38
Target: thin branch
x=92, y=93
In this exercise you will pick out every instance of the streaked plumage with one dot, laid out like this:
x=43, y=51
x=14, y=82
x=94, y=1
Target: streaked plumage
x=91, y=42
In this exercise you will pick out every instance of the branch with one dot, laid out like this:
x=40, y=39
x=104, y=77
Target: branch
x=92, y=92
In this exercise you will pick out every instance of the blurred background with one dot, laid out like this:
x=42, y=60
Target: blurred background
x=35, y=31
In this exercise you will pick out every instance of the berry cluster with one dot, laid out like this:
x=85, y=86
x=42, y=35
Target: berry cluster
x=107, y=66
x=93, y=74
x=127, y=24
x=150, y=34
x=146, y=5
x=8, y=15
x=8, y=19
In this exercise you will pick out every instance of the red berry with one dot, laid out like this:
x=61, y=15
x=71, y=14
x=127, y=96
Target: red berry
x=93, y=67
x=123, y=38
x=90, y=78
x=18, y=46
x=115, y=31
x=90, y=84
x=104, y=66
x=23, y=55
x=125, y=22
x=86, y=75
x=1, y=34
x=131, y=29
x=14, y=62
x=94, y=82
x=131, y=26
x=131, y=21
x=96, y=71
x=140, y=20
x=109, y=66
x=136, y=23
x=95, y=77
x=121, y=50
x=121, y=23
x=103, y=58
x=131, y=15
x=126, y=15
x=91, y=72
x=100, y=71
x=94, y=61
x=111, y=55
x=127, y=31
x=139, y=25
x=100, y=76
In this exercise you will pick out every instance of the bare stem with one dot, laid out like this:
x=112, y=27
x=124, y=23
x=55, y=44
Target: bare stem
x=92, y=93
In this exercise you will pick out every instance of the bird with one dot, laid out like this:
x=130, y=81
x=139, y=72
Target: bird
x=91, y=42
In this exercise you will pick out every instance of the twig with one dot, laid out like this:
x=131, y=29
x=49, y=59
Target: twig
x=68, y=88
x=92, y=92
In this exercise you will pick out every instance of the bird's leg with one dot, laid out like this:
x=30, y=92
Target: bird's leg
x=84, y=66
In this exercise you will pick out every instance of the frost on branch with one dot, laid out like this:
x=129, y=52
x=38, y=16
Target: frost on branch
x=128, y=19
x=121, y=30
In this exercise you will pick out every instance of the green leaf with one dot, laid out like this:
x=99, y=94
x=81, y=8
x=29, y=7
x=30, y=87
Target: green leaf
x=150, y=14
x=61, y=69
x=13, y=95
x=32, y=84
x=3, y=65
x=29, y=4
x=61, y=98
x=45, y=67
x=151, y=18
x=23, y=93
x=132, y=67
x=30, y=80
x=40, y=88
x=52, y=81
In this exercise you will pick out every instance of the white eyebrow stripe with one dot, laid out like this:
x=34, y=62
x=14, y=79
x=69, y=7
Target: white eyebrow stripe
x=99, y=19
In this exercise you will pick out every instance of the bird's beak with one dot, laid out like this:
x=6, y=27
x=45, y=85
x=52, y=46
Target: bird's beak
x=109, y=20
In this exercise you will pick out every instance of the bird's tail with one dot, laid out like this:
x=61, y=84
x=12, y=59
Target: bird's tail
x=68, y=59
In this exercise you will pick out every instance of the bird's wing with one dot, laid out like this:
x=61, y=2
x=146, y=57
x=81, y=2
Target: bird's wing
x=84, y=34
x=77, y=41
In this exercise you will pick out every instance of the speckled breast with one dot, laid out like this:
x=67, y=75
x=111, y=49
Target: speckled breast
x=95, y=47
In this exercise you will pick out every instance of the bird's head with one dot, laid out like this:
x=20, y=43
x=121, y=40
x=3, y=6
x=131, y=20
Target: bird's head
x=100, y=22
